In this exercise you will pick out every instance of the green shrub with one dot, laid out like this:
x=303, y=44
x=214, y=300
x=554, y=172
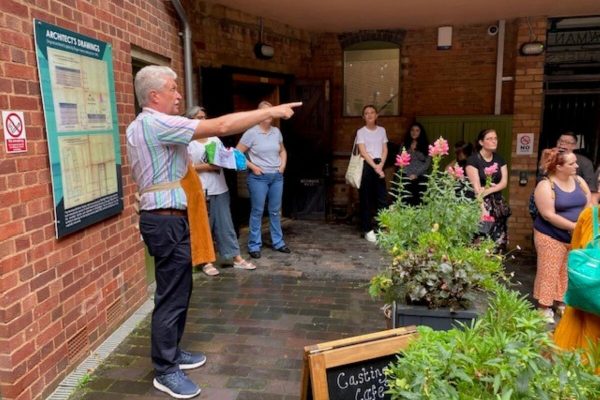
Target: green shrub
x=506, y=354
x=434, y=259
x=445, y=206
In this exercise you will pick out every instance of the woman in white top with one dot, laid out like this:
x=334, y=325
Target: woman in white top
x=371, y=141
x=219, y=213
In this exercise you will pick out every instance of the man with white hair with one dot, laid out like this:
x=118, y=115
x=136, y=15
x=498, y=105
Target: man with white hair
x=157, y=148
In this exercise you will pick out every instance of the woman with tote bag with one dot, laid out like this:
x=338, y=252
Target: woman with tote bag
x=371, y=141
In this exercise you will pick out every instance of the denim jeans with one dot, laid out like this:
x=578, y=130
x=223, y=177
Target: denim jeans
x=265, y=188
x=221, y=225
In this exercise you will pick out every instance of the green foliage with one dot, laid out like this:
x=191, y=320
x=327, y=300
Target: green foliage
x=445, y=206
x=506, y=354
x=83, y=381
x=437, y=274
x=434, y=259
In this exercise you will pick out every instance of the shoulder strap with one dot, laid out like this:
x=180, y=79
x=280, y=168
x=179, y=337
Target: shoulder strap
x=551, y=186
x=578, y=179
x=354, y=149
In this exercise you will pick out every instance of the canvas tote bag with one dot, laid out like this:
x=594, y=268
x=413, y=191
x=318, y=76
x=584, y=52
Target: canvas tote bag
x=355, y=168
x=583, y=267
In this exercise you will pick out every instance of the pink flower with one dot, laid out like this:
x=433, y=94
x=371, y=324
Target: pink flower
x=403, y=159
x=491, y=170
x=457, y=171
x=487, y=218
x=439, y=148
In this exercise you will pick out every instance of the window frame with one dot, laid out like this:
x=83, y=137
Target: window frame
x=372, y=45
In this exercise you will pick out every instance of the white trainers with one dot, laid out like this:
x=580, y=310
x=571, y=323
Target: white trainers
x=370, y=236
x=548, y=314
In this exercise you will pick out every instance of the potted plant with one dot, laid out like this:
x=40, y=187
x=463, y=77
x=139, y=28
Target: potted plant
x=506, y=354
x=436, y=266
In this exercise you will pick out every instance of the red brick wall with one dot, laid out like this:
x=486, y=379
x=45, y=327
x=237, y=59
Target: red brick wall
x=56, y=291
x=224, y=36
x=459, y=81
x=528, y=101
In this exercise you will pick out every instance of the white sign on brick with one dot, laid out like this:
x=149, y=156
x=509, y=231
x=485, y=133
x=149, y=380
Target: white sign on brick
x=524, y=144
x=15, y=139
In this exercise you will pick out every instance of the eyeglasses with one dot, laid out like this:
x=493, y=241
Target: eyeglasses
x=562, y=141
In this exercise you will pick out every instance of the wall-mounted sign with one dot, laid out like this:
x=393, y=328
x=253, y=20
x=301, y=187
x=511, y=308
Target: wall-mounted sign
x=78, y=93
x=524, y=144
x=15, y=138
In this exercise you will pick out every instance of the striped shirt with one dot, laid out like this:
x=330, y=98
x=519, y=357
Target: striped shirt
x=157, y=149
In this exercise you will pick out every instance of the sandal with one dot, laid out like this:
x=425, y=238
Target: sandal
x=244, y=265
x=210, y=269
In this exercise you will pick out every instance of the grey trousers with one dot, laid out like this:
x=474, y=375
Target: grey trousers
x=221, y=225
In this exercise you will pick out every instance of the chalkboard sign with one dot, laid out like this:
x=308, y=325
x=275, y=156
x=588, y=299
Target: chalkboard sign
x=364, y=380
x=352, y=368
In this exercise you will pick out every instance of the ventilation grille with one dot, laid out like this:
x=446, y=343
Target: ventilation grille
x=114, y=312
x=77, y=344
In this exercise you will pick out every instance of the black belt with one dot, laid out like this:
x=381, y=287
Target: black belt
x=168, y=211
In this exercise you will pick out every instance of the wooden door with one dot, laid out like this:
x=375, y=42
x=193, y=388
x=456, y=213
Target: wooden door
x=307, y=137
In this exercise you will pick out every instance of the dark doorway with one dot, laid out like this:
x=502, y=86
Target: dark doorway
x=228, y=89
x=308, y=142
x=577, y=112
x=307, y=136
x=572, y=83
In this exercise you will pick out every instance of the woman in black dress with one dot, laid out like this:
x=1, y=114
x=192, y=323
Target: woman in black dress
x=488, y=174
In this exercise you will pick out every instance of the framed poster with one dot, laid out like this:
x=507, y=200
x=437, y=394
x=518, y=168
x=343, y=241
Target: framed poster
x=78, y=94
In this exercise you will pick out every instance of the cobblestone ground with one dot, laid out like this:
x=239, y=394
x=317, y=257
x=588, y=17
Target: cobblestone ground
x=253, y=325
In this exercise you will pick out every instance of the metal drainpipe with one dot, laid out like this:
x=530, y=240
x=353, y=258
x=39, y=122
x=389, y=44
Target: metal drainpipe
x=187, y=53
x=499, y=66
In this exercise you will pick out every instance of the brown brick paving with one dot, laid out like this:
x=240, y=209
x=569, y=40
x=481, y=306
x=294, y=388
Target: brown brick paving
x=253, y=325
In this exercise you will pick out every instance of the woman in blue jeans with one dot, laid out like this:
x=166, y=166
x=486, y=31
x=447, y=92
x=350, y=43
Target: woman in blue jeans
x=267, y=158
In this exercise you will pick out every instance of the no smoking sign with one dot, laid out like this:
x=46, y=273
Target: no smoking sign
x=524, y=143
x=15, y=139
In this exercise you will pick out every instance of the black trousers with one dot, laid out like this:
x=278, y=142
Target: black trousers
x=415, y=189
x=168, y=240
x=372, y=197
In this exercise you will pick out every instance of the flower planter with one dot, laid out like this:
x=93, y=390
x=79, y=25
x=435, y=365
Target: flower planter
x=437, y=319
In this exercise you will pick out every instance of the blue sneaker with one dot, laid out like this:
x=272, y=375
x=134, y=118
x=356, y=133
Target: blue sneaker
x=189, y=360
x=177, y=385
